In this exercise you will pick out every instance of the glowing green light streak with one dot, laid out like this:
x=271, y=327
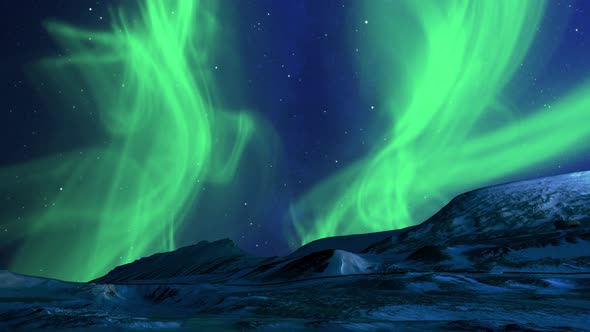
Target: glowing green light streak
x=445, y=65
x=149, y=78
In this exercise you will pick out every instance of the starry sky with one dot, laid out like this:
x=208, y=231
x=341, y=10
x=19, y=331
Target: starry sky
x=299, y=73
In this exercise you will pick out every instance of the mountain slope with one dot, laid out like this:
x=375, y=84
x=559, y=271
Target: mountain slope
x=207, y=260
x=491, y=260
x=520, y=208
x=540, y=225
x=537, y=225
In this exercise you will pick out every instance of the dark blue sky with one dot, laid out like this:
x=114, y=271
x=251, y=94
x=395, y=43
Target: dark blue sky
x=299, y=63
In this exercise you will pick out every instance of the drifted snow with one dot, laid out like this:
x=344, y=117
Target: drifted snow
x=344, y=262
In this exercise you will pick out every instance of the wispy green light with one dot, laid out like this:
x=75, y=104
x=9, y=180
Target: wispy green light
x=444, y=67
x=149, y=79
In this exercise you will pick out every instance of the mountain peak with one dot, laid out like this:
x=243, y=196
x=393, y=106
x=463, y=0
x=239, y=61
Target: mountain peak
x=480, y=229
x=203, y=258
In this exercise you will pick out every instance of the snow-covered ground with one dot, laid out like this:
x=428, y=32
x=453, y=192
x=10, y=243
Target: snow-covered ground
x=389, y=302
x=514, y=257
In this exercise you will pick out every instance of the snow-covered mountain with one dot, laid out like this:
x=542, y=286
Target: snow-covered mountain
x=540, y=225
x=536, y=225
x=525, y=208
x=513, y=257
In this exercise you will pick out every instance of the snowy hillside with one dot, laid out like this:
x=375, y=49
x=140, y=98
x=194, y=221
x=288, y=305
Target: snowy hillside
x=514, y=257
x=323, y=263
x=536, y=225
x=540, y=225
x=520, y=208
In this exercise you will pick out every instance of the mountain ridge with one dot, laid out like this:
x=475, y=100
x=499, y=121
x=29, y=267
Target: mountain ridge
x=487, y=229
x=514, y=257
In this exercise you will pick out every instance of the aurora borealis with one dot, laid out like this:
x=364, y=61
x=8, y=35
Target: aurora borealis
x=451, y=129
x=181, y=144
x=149, y=76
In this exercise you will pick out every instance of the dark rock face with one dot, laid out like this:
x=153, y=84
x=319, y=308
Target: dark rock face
x=429, y=254
x=305, y=266
x=212, y=259
x=510, y=257
x=566, y=224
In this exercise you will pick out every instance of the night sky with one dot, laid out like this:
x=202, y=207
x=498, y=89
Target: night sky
x=304, y=72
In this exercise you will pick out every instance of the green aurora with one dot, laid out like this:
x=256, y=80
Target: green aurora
x=150, y=77
x=444, y=67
